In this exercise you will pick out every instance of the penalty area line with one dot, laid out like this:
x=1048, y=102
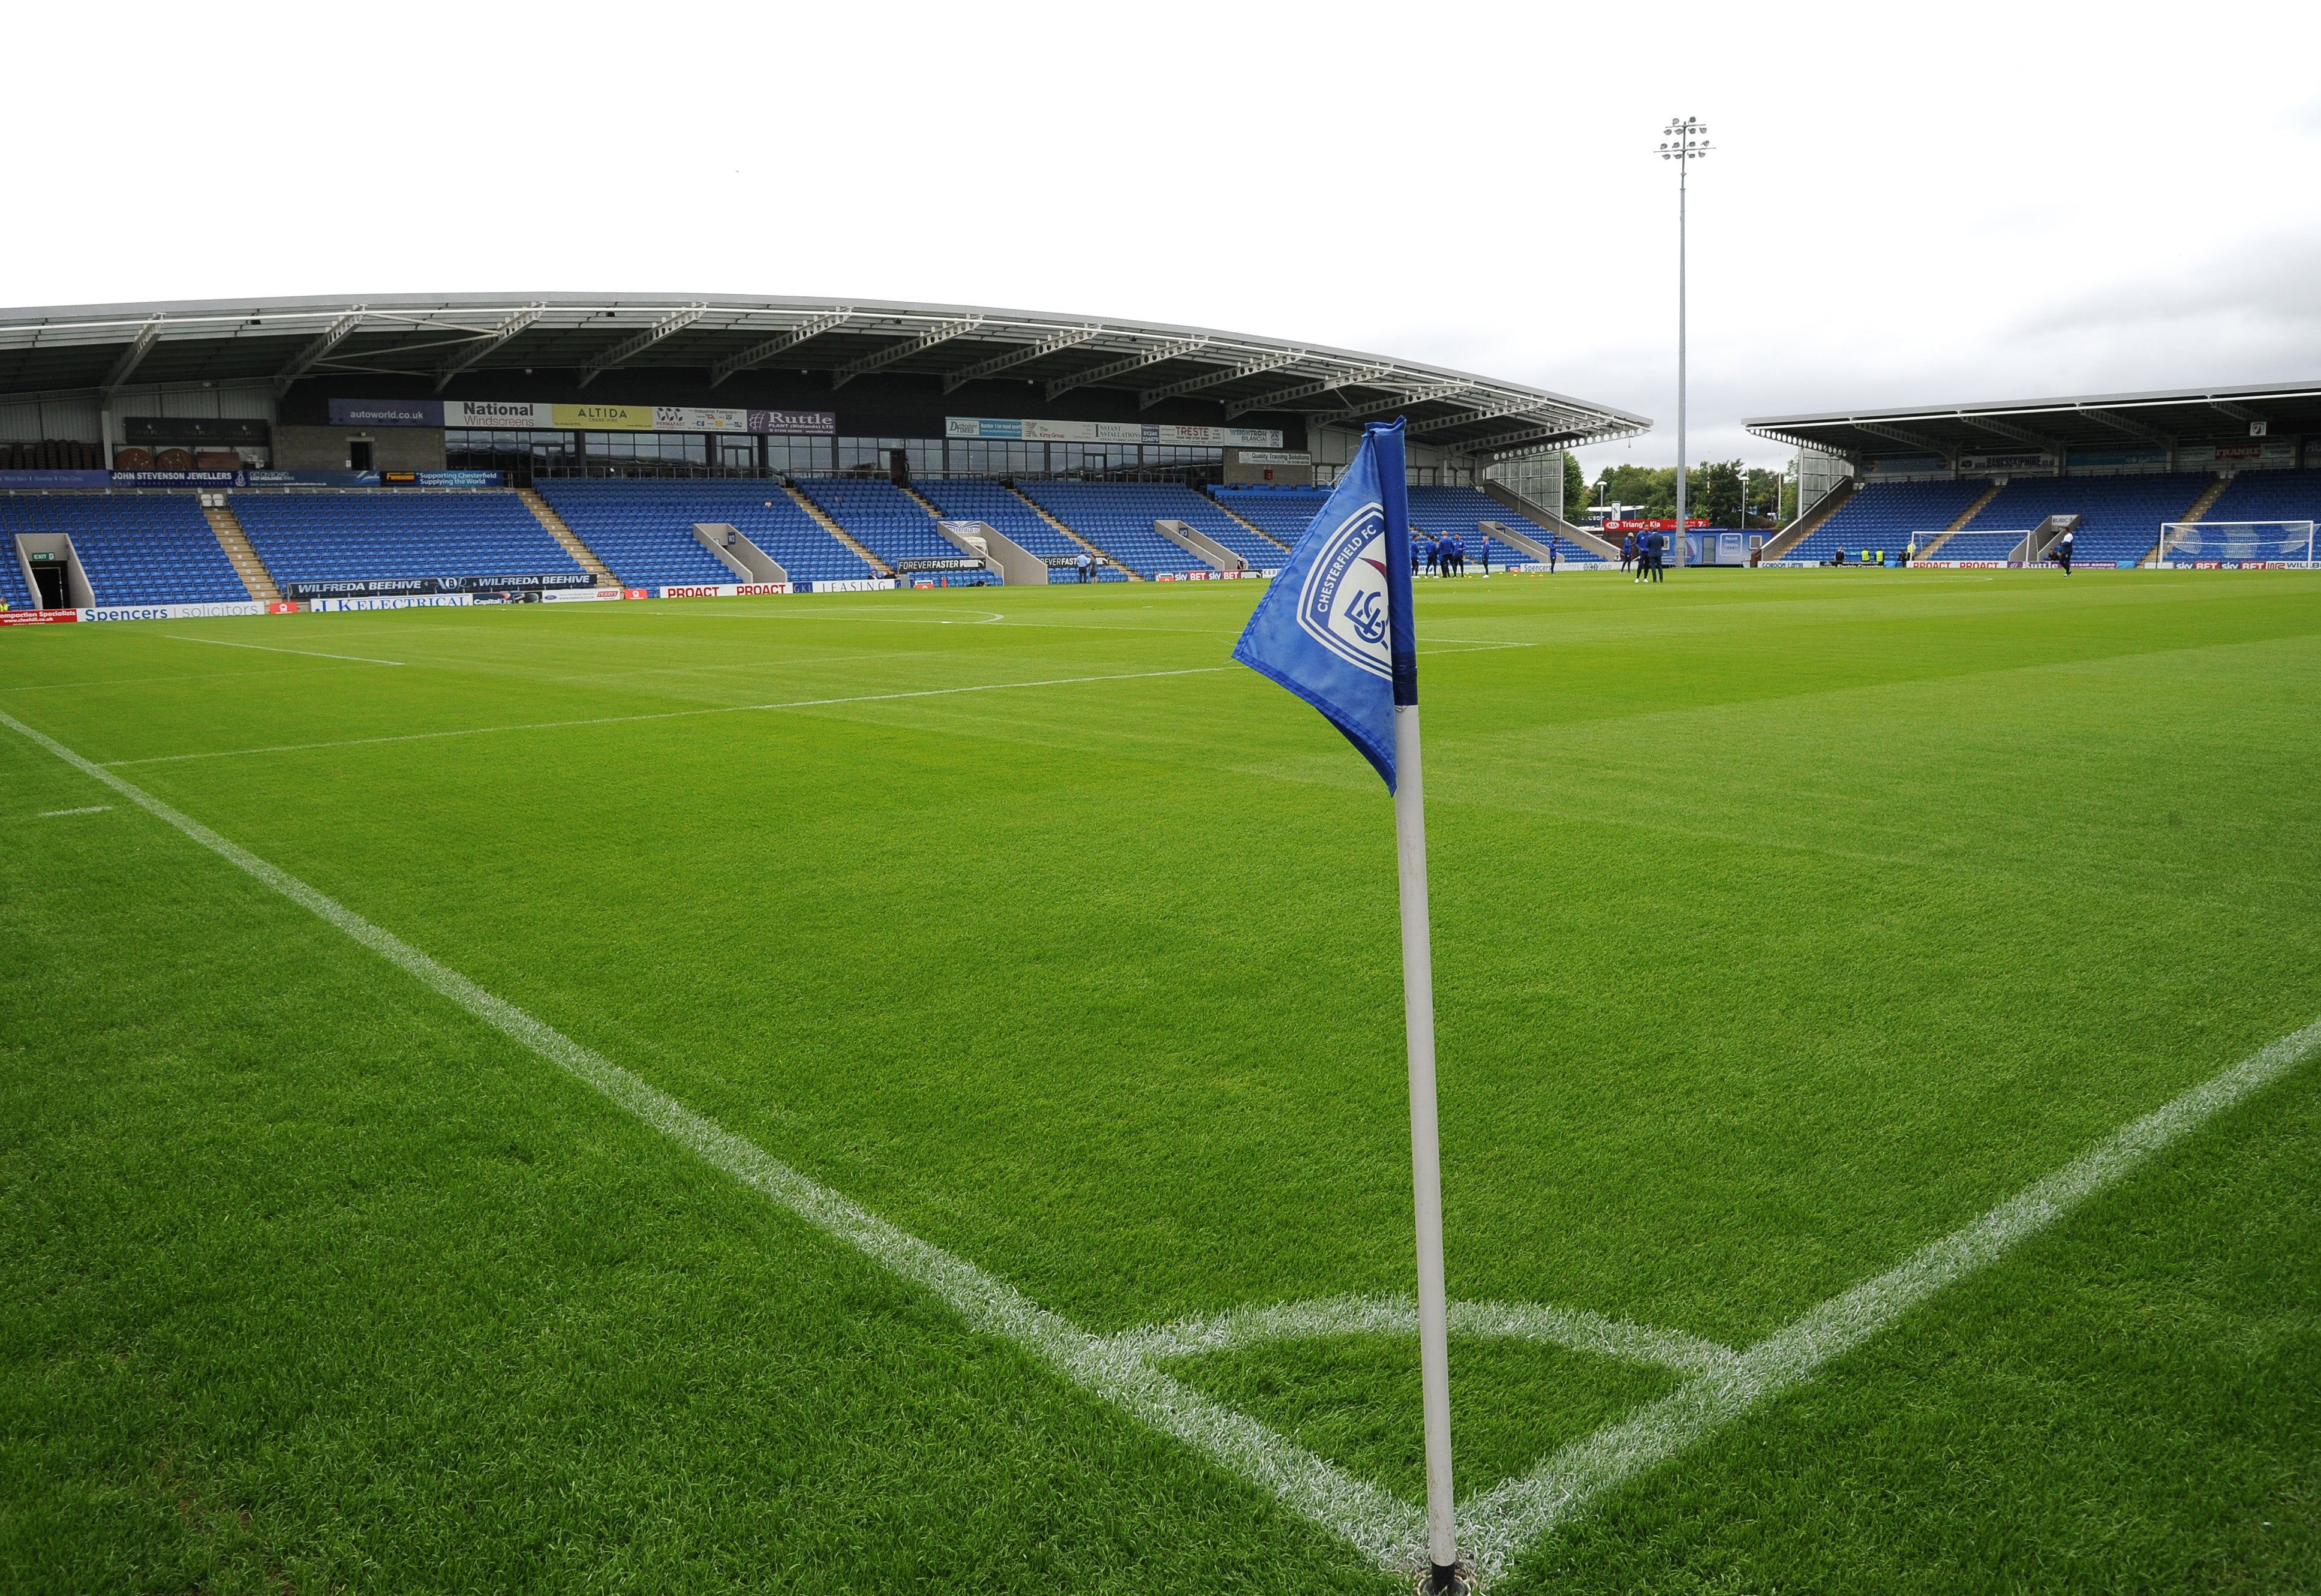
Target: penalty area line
x=1498, y=1525
x=268, y=647
x=1379, y=1525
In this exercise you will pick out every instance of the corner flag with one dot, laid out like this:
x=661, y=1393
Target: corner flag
x=1335, y=628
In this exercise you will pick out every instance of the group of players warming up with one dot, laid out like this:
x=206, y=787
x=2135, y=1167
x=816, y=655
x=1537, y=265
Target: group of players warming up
x=1443, y=554
x=1648, y=553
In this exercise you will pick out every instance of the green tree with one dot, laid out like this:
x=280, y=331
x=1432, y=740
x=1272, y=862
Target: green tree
x=1712, y=492
x=1648, y=491
x=1575, y=488
x=1772, y=498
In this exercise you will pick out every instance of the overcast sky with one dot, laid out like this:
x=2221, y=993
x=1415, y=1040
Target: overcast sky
x=1906, y=204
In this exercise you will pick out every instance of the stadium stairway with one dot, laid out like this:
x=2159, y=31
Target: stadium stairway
x=838, y=532
x=1779, y=545
x=923, y=503
x=1966, y=519
x=1252, y=526
x=2200, y=506
x=1035, y=507
x=553, y=525
x=247, y=565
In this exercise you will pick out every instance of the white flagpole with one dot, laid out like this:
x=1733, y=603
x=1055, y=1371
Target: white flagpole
x=1426, y=1147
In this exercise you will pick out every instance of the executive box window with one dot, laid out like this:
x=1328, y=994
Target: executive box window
x=872, y=455
x=523, y=455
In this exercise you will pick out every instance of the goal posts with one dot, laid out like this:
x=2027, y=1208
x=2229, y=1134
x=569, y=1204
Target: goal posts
x=2236, y=543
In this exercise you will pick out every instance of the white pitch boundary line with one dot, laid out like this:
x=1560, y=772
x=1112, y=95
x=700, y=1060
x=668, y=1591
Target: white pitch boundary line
x=612, y=720
x=1495, y=1527
x=268, y=647
x=91, y=810
x=1500, y=1524
x=1384, y=1528
x=1398, y=1316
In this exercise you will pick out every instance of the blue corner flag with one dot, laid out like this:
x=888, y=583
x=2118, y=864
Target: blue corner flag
x=1334, y=628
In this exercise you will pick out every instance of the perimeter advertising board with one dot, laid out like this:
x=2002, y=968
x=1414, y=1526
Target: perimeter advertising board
x=1109, y=431
x=512, y=415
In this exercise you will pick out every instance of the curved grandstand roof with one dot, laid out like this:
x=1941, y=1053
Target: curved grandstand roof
x=454, y=338
x=2166, y=416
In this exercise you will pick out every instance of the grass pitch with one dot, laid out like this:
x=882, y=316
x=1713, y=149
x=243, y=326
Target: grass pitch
x=1784, y=921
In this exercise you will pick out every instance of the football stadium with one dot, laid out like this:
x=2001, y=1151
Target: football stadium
x=668, y=944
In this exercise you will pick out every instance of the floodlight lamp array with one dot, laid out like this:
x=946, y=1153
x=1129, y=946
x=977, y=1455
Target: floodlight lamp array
x=1685, y=140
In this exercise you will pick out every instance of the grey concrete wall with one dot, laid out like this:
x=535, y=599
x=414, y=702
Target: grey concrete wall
x=1018, y=567
x=78, y=594
x=325, y=448
x=1540, y=515
x=711, y=536
x=1200, y=544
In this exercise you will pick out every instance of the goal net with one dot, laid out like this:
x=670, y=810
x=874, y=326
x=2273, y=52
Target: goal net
x=2236, y=543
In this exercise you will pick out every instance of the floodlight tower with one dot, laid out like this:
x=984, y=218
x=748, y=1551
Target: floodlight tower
x=1682, y=142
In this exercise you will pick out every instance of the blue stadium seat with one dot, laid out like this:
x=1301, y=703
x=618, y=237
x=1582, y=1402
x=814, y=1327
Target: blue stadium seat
x=2119, y=516
x=14, y=592
x=887, y=520
x=136, y=548
x=644, y=529
x=1886, y=515
x=1462, y=510
x=1285, y=513
x=1118, y=517
x=998, y=507
x=2266, y=496
x=362, y=533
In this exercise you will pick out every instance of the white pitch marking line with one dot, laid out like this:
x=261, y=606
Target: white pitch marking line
x=1499, y=1524
x=91, y=809
x=1388, y=1530
x=609, y=720
x=1397, y=1315
x=271, y=649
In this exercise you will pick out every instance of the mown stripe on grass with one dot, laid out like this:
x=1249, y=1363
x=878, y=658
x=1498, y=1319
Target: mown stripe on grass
x=1382, y=1528
x=610, y=720
x=268, y=647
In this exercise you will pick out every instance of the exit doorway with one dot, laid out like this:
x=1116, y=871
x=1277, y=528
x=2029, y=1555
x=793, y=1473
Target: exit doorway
x=359, y=454
x=49, y=577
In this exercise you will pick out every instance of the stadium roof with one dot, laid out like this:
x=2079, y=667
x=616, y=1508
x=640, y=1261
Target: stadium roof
x=453, y=338
x=2170, y=416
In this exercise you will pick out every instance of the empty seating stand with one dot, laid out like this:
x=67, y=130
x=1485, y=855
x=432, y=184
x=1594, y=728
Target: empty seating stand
x=1118, y=517
x=2267, y=496
x=135, y=548
x=1285, y=514
x=644, y=529
x=888, y=522
x=1886, y=516
x=1282, y=513
x=2119, y=516
x=1462, y=510
x=14, y=591
x=367, y=534
x=996, y=507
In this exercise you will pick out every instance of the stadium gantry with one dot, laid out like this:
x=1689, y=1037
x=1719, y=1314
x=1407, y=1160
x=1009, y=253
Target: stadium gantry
x=286, y=450
x=2201, y=477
